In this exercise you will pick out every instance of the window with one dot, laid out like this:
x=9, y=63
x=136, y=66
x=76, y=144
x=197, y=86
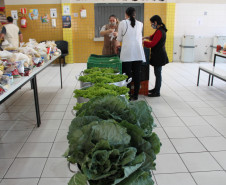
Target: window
x=103, y=11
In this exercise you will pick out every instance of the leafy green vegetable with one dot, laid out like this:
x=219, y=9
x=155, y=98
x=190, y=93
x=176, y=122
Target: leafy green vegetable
x=78, y=179
x=112, y=142
x=119, y=109
x=100, y=90
x=99, y=77
x=102, y=70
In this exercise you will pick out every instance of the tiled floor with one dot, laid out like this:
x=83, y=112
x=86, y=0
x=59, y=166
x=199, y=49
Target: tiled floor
x=191, y=122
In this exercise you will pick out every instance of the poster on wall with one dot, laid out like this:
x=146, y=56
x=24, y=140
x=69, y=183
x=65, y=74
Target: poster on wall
x=66, y=21
x=33, y=14
x=14, y=14
x=45, y=18
x=66, y=10
x=53, y=13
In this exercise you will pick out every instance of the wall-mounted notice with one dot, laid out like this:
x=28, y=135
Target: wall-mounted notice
x=53, y=13
x=14, y=14
x=66, y=10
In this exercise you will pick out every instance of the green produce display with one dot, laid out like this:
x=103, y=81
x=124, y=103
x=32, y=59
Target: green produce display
x=112, y=142
x=102, y=70
x=100, y=90
x=99, y=77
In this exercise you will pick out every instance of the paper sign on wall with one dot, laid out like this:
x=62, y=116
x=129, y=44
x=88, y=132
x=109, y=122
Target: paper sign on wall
x=66, y=10
x=75, y=14
x=83, y=13
x=53, y=13
x=14, y=14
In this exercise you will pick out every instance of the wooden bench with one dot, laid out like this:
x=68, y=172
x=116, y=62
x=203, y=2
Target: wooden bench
x=213, y=71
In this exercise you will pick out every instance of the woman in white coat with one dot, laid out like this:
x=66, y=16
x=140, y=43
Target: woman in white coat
x=132, y=52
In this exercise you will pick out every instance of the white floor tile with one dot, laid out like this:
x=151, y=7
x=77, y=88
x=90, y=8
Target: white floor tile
x=54, y=181
x=56, y=167
x=206, y=111
x=169, y=163
x=15, y=137
x=42, y=136
x=35, y=150
x=56, y=108
x=10, y=150
x=60, y=101
x=50, y=124
x=178, y=132
x=175, y=179
x=26, y=168
x=4, y=166
x=220, y=157
x=171, y=122
x=196, y=162
x=58, y=149
x=194, y=120
x=210, y=178
x=204, y=131
x=161, y=133
x=53, y=115
x=167, y=147
x=61, y=136
x=30, y=181
x=198, y=104
x=214, y=143
x=65, y=124
x=188, y=145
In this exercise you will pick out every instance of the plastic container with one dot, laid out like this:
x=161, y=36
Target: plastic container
x=143, y=87
x=101, y=61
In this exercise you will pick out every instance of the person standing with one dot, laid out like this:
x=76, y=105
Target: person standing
x=110, y=32
x=11, y=33
x=158, y=52
x=132, y=52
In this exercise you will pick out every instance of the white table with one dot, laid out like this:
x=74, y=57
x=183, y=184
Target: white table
x=20, y=82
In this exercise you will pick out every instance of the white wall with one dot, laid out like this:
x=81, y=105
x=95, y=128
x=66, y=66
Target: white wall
x=202, y=20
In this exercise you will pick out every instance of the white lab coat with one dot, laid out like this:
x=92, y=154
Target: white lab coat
x=132, y=48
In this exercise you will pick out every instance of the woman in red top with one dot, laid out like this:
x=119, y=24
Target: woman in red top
x=158, y=53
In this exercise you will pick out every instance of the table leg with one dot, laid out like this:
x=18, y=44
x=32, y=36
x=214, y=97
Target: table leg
x=61, y=74
x=31, y=85
x=212, y=81
x=35, y=88
x=209, y=80
x=198, y=77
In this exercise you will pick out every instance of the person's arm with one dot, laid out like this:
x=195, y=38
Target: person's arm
x=21, y=37
x=3, y=32
x=104, y=32
x=156, y=38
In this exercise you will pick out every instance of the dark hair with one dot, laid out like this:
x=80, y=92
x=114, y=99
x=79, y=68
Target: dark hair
x=113, y=16
x=9, y=19
x=159, y=21
x=131, y=13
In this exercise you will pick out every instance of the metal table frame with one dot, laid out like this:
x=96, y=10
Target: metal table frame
x=32, y=78
x=211, y=74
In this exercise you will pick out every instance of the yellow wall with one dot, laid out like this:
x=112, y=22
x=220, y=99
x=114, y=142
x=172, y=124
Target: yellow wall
x=151, y=9
x=35, y=28
x=170, y=20
x=82, y=32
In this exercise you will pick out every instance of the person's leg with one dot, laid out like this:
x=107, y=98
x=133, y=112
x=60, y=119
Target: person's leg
x=127, y=68
x=136, y=66
x=158, y=81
